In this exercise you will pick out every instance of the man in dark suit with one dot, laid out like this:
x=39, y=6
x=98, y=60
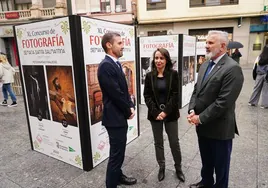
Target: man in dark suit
x=212, y=110
x=117, y=108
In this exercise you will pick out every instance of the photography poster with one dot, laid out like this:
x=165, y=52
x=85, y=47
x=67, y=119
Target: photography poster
x=47, y=71
x=200, y=55
x=188, y=68
x=147, y=47
x=92, y=32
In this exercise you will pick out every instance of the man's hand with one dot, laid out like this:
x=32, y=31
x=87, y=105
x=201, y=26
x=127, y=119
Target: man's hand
x=189, y=117
x=132, y=113
x=195, y=120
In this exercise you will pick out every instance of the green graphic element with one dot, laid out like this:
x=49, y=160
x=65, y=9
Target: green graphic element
x=86, y=27
x=64, y=26
x=78, y=160
x=96, y=157
x=130, y=128
x=19, y=33
x=71, y=149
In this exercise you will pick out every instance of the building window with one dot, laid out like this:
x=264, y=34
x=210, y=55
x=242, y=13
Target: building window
x=105, y=6
x=156, y=4
x=5, y=5
x=198, y=3
x=120, y=5
x=157, y=33
x=24, y=6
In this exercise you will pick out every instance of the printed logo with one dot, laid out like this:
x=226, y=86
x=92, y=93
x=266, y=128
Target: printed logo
x=71, y=149
x=61, y=146
x=101, y=145
x=39, y=138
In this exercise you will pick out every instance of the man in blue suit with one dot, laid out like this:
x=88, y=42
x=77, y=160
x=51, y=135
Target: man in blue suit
x=117, y=108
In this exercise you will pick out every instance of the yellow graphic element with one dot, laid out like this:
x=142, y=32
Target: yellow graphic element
x=175, y=38
x=36, y=145
x=64, y=26
x=135, y=132
x=78, y=160
x=19, y=33
x=86, y=27
x=131, y=32
x=96, y=157
x=8, y=31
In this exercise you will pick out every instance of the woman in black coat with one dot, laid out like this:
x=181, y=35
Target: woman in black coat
x=161, y=98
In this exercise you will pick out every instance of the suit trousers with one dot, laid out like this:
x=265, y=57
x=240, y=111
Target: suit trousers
x=171, y=129
x=118, y=139
x=215, y=155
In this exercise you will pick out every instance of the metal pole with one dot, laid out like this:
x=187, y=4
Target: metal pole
x=69, y=7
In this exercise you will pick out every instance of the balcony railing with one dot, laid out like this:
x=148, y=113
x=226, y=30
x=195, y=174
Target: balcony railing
x=206, y=3
x=18, y=14
x=47, y=12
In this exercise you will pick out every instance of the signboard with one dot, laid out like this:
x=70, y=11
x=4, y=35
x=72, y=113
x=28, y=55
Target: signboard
x=257, y=47
x=147, y=47
x=47, y=70
x=188, y=67
x=12, y=15
x=92, y=32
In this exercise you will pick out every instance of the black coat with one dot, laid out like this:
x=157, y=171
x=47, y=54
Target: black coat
x=151, y=96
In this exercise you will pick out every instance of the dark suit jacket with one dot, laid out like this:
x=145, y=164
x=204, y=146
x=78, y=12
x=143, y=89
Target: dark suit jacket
x=115, y=94
x=214, y=99
x=151, y=96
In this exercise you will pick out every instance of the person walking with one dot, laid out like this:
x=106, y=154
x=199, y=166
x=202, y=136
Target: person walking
x=161, y=98
x=261, y=80
x=236, y=55
x=118, y=107
x=212, y=110
x=7, y=77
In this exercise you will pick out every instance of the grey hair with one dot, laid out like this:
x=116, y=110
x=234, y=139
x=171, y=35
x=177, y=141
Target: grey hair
x=222, y=35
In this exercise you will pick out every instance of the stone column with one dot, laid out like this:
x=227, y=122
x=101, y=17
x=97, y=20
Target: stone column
x=35, y=9
x=60, y=8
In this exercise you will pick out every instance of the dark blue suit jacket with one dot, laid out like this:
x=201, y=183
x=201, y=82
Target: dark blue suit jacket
x=115, y=96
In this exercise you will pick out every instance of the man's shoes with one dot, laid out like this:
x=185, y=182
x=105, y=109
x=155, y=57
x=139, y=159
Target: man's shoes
x=197, y=185
x=4, y=103
x=161, y=174
x=14, y=103
x=180, y=175
x=127, y=180
x=263, y=107
x=251, y=104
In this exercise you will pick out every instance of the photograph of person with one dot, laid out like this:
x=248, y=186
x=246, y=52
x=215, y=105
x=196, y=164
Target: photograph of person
x=174, y=61
x=191, y=68
x=145, y=67
x=36, y=92
x=94, y=94
x=129, y=71
x=200, y=60
x=185, y=70
x=61, y=93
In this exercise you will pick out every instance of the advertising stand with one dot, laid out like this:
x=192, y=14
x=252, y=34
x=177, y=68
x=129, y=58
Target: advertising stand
x=58, y=63
x=182, y=51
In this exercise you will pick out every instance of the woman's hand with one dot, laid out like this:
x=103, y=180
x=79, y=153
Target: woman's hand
x=161, y=116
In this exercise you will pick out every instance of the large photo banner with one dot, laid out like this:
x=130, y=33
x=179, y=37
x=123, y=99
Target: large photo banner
x=47, y=71
x=200, y=54
x=92, y=32
x=188, y=68
x=147, y=47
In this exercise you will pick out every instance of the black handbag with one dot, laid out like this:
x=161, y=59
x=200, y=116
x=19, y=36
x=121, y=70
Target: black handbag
x=254, y=72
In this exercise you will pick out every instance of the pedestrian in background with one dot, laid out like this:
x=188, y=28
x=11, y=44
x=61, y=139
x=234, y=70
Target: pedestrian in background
x=212, y=110
x=260, y=75
x=118, y=108
x=161, y=98
x=236, y=55
x=7, y=77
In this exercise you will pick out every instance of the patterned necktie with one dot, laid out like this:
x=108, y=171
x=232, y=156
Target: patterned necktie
x=210, y=65
x=119, y=65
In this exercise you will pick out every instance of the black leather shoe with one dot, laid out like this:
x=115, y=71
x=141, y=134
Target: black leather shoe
x=197, y=185
x=161, y=174
x=180, y=175
x=127, y=180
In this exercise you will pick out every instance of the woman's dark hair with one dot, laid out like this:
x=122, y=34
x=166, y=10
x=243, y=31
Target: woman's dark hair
x=165, y=53
x=264, y=56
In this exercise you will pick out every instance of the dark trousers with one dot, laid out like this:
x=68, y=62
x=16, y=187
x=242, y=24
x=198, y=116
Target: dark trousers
x=172, y=132
x=215, y=155
x=118, y=139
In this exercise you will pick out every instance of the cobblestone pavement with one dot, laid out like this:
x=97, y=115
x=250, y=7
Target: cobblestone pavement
x=20, y=167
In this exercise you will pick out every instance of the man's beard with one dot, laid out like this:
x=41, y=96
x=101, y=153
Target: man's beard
x=212, y=54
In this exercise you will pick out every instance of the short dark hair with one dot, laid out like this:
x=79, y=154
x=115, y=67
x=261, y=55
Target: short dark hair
x=165, y=53
x=108, y=37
